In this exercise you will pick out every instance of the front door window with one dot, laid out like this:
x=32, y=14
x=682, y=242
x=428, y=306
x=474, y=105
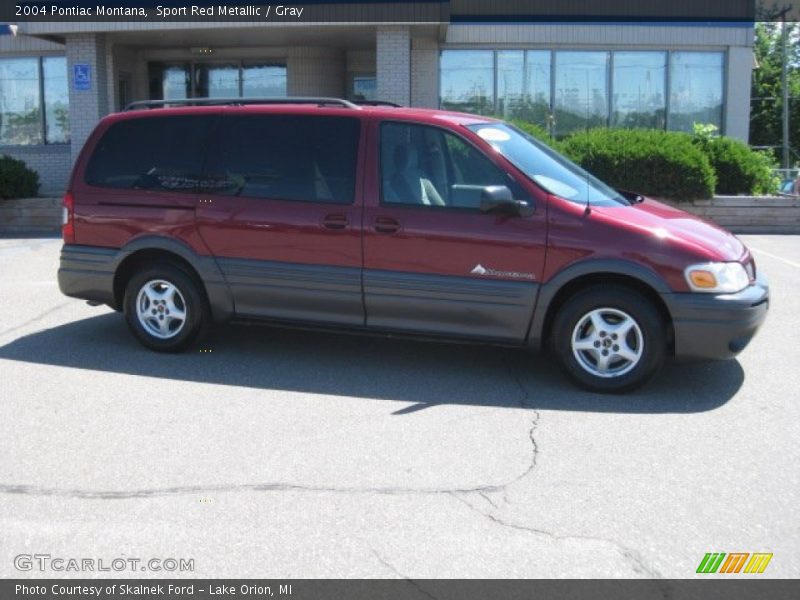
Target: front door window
x=427, y=166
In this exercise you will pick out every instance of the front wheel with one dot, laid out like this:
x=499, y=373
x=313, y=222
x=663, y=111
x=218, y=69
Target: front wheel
x=165, y=308
x=609, y=338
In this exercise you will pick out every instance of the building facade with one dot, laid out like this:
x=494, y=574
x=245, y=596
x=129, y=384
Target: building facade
x=58, y=79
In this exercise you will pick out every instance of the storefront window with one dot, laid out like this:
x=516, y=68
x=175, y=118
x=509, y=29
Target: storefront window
x=263, y=79
x=523, y=85
x=467, y=81
x=56, y=100
x=639, y=98
x=581, y=91
x=536, y=107
x=20, y=104
x=27, y=85
x=696, y=90
x=510, y=82
x=584, y=91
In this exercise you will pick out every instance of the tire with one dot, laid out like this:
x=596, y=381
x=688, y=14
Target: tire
x=156, y=297
x=584, y=342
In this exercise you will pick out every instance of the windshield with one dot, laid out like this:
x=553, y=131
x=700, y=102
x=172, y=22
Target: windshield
x=546, y=167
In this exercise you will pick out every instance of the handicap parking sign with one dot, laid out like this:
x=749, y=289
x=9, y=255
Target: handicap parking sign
x=82, y=77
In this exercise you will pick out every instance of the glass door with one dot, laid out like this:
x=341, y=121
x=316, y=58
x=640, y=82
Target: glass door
x=169, y=81
x=263, y=80
x=216, y=80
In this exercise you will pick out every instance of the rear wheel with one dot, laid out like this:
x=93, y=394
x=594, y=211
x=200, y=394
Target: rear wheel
x=609, y=338
x=165, y=308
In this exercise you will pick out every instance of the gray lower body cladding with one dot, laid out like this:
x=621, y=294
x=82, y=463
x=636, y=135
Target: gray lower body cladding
x=443, y=305
x=492, y=310
x=427, y=304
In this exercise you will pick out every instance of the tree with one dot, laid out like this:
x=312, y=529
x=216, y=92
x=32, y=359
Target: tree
x=767, y=103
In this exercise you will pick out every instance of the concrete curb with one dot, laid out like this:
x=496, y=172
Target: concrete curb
x=34, y=215
x=747, y=214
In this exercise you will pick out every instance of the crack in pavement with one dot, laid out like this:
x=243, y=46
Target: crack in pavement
x=486, y=497
x=403, y=576
x=81, y=494
x=632, y=555
x=524, y=403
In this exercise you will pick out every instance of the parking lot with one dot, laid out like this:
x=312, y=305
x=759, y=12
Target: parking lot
x=277, y=453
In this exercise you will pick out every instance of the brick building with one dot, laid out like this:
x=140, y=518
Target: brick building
x=58, y=79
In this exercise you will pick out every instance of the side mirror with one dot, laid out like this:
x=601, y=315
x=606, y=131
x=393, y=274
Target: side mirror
x=632, y=197
x=498, y=199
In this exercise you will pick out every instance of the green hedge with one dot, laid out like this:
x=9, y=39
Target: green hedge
x=666, y=164
x=739, y=169
x=533, y=130
x=16, y=179
x=655, y=163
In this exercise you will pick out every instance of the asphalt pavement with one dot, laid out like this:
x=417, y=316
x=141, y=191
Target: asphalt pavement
x=289, y=454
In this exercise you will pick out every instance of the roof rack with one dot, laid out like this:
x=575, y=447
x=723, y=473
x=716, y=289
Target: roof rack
x=174, y=102
x=375, y=103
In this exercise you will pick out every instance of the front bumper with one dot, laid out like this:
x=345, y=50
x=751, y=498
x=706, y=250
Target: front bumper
x=717, y=326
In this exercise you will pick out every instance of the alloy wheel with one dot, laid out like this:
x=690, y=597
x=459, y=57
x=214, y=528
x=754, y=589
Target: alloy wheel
x=607, y=342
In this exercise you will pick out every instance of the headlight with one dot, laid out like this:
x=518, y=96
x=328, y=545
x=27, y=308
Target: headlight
x=717, y=278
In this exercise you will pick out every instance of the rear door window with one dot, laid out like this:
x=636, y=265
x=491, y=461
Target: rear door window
x=284, y=157
x=151, y=153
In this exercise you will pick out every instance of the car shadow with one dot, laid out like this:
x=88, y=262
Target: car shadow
x=424, y=374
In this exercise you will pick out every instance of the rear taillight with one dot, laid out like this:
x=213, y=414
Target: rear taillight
x=68, y=219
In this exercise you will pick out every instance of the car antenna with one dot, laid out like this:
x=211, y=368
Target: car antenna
x=588, y=208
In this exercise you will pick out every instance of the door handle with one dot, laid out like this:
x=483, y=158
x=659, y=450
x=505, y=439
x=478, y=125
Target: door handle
x=336, y=221
x=386, y=225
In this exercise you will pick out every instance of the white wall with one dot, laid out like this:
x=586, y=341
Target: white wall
x=425, y=72
x=87, y=107
x=600, y=35
x=315, y=72
x=393, y=58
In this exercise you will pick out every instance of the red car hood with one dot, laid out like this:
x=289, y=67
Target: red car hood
x=693, y=233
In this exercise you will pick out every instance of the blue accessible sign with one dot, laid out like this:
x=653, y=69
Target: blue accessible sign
x=82, y=77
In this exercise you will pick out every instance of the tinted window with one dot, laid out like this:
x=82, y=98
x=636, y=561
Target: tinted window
x=303, y=158
x=151, y=153
x=428, y=166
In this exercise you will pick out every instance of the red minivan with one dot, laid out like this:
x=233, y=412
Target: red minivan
x=380, y=218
